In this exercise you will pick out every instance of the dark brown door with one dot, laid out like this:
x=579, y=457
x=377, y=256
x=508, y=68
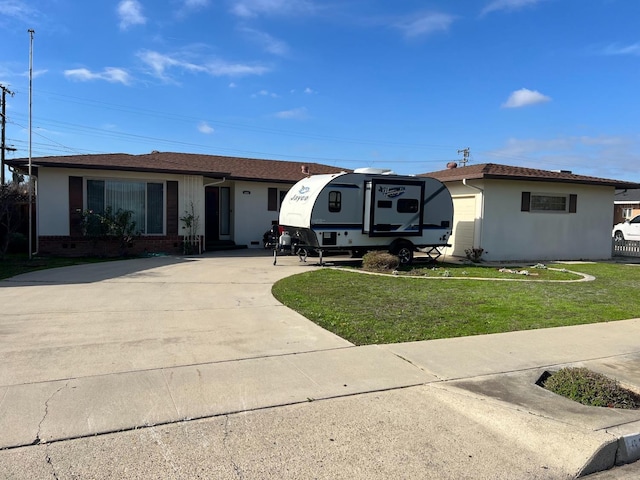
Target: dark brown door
x=212, y=214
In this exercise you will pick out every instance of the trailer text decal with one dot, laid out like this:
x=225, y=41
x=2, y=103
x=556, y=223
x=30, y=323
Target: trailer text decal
x=391, y=192
x=301, y=196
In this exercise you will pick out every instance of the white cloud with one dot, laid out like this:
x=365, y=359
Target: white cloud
x=425, y=24
x=205, y=128
x=160, y=65
x=253, y=8
x=293, y=114
x=190, y=6
x=608, y=156
x=265, y=93
x=525, y=97
x=232, y=85
x=109, y=74
x=268, y=43
x=497, y=5
x=196, y=4
x=130, y=13
x=615, y=49
x=308, y=91
x=16, y=9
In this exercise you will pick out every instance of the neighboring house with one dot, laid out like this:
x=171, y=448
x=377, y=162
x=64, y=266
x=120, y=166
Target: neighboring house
x=525, y=214
x=626, y=205
x=235, y=199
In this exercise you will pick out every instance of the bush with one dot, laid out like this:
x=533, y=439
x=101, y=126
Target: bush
x=377, y=261
x=474, y=254
x=18, y=243
x=591, y=388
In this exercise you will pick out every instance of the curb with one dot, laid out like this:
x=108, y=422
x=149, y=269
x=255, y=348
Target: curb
x=624, y=450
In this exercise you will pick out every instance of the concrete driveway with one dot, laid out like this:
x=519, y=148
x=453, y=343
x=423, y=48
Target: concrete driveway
x=189, y=368
x=150, y=313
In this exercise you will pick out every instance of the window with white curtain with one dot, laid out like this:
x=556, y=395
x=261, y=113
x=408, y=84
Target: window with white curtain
x=144, y=199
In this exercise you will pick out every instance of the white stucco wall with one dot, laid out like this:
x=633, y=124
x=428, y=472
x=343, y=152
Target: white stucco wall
x=250, y=211
x=53, y=195
x=509, y=234
x=250, y=216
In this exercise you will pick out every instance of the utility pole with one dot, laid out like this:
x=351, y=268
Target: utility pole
x=465, y=156
x=31, y=32
x=3, y=147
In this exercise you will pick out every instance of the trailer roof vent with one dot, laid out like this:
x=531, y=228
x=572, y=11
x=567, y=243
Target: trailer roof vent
x=374, y=171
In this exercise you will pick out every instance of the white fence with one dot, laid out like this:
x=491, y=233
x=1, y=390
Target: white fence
x=625, y=248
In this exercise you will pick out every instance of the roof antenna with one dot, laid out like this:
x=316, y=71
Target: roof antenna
x=465, y=156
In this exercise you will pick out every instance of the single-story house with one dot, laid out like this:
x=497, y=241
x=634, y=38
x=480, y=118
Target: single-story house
x=525, y=214
x=235, y=200
x=626, y=205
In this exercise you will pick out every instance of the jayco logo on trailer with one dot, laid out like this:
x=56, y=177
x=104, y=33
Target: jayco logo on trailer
x=301, y=196
x=391, y=192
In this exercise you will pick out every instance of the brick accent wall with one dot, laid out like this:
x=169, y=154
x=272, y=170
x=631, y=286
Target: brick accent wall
x=78, y=246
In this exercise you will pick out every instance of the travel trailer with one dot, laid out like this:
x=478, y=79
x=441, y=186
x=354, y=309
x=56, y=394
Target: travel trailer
x=369, y=209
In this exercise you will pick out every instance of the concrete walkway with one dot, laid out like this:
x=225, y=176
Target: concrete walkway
x=189, y=368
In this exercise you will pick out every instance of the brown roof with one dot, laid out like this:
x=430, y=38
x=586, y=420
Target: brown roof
x=507, y=172
x=233, y=168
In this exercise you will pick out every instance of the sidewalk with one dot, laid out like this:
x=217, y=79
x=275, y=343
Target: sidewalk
x=313, y=406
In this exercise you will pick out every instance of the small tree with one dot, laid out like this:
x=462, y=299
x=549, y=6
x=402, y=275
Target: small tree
x=191, y=223
x=12, y=197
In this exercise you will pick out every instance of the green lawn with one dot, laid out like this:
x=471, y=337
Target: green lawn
x=373, y=309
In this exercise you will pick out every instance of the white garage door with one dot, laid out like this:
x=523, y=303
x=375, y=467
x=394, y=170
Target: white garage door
x=464, y=216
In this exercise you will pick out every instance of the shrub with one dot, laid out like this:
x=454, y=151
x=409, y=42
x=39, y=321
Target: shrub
x=377, y=261
x=110, y=226
x=18, y=243
x=591, y=388
x=474, y=254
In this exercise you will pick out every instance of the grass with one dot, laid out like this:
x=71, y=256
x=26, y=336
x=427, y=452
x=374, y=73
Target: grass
x=591, y=388
x=13, y=265
x=375, y=309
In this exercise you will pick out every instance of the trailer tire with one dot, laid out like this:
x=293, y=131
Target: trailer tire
x=404, y=252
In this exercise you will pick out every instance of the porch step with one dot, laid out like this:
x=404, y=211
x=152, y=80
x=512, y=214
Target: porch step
x=223, y=245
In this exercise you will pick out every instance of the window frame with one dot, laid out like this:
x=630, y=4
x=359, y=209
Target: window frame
x=146, y=183
x=334, y=203
x=527, y=202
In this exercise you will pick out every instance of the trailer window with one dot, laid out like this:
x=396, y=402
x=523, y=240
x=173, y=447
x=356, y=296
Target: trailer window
x=407, y=205
x=385, y=203
x=335, y=201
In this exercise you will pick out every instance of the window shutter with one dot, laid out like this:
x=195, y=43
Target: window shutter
x=573, y=203
x=273, y=200
x=172, y=208
x=525, y=204
x=75, y=206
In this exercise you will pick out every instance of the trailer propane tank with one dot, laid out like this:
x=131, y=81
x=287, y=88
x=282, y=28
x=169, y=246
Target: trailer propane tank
x=285, y=240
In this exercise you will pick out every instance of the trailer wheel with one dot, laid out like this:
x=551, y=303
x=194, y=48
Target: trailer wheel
x=404, y=252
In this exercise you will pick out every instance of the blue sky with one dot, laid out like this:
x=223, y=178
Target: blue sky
x=402, y=84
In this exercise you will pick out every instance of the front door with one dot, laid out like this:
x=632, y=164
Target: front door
x=212, y=214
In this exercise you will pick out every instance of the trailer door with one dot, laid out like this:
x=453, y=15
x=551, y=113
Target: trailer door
x=397, y=207
x=366, y=214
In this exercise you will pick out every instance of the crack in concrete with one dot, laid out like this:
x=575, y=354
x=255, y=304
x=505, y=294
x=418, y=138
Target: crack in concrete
x=46, y=412
x=236, y=468
x=50, y=463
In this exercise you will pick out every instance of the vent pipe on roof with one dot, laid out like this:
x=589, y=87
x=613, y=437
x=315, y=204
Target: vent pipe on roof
x=452, y=165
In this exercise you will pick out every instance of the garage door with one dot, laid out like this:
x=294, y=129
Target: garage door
x=464, y=216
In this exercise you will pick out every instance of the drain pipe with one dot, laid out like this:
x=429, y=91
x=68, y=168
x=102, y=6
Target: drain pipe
x=224, y=179
x=481, y=190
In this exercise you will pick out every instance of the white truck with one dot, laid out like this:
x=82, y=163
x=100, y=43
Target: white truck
x=369, y=209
